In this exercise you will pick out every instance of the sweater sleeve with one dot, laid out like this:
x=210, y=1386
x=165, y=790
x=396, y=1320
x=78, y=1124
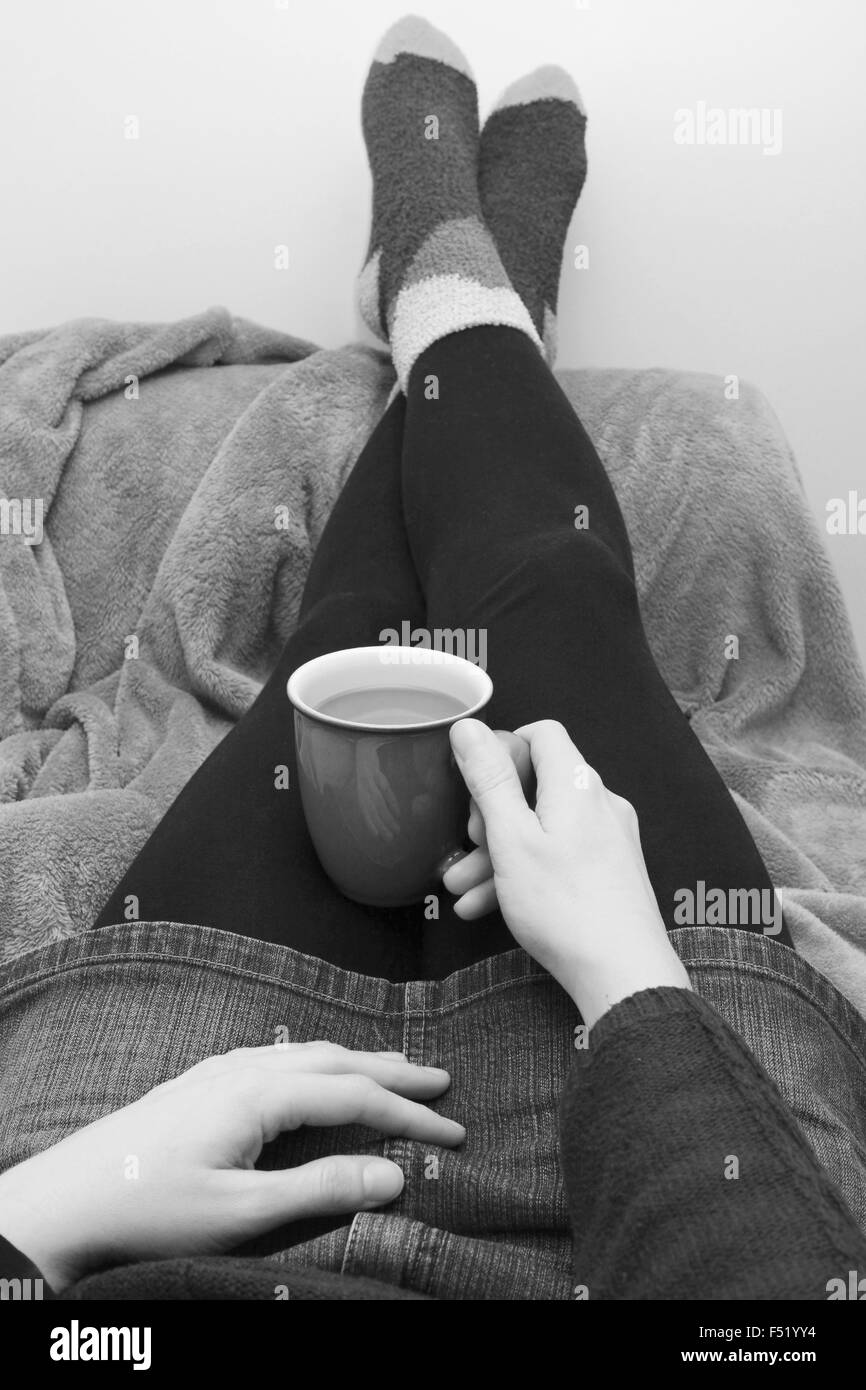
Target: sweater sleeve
x=687, y=1175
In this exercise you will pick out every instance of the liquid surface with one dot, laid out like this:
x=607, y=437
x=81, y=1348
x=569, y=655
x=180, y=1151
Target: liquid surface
x=389, y=705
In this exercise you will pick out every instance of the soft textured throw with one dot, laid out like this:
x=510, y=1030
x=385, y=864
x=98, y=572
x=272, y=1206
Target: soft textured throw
x=184, y=473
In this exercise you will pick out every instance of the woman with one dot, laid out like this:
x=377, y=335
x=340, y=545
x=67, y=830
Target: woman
x=564, y=1116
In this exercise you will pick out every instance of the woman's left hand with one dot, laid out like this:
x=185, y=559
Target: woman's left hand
x=173, y=1174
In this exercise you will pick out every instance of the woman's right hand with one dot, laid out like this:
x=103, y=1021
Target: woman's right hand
x=569, y=876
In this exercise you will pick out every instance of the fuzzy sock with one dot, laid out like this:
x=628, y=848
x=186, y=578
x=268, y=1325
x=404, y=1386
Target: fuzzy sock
x=532, y=168
x=432, y=266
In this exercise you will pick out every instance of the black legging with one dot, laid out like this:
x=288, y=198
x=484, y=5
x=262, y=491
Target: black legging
x=460, y=514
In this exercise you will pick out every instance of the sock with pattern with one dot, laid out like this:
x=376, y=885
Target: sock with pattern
x=432, y=266
x=532, y=167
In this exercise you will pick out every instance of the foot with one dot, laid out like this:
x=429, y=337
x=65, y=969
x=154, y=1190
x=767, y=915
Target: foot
x=532, y=167
x=432, y=266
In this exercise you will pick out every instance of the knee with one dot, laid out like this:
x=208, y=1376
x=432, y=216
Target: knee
x=583, y=564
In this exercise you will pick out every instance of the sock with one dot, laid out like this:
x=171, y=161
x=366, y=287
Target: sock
x=432, y=266
x=532, y=167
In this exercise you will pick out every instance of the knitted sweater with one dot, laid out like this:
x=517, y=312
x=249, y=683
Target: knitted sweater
x=687, y=1178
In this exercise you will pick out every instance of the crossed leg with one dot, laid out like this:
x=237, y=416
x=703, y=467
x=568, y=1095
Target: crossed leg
x=459, y=514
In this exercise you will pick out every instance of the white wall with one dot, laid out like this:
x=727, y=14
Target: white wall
x=714, y=258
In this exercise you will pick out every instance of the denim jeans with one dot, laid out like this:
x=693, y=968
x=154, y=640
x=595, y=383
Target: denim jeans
x=90, y=1023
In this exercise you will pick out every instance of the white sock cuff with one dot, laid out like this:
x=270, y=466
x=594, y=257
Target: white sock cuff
x=442, y=304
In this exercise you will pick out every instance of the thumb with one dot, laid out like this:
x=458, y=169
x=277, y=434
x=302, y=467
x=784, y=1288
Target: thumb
x=327, y=1186
x=489, y=772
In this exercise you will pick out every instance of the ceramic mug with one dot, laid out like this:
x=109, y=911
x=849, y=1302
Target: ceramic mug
x=384, y=801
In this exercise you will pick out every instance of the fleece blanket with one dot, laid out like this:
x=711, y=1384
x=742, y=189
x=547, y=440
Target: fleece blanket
x=142, y=622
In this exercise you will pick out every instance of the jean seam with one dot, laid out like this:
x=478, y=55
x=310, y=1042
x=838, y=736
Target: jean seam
x=9, y=992
x=350, y=1240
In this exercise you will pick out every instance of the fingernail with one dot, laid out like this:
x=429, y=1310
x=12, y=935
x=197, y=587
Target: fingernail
x=382, y=1181
x=445, y=865
x=397, y=1056
x=467, y=734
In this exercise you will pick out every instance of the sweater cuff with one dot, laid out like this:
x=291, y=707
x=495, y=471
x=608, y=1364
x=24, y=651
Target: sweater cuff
x=662, y=1001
